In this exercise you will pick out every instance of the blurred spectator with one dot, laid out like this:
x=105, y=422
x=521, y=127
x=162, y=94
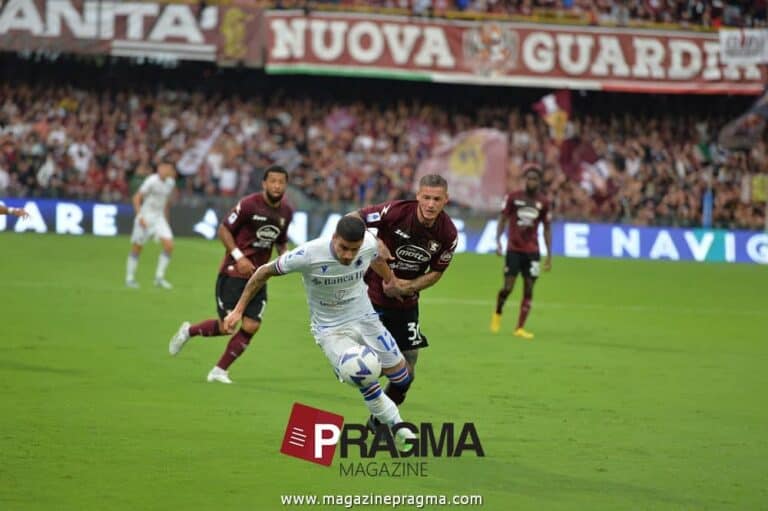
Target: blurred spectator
x=709, y=13
x=649, y=168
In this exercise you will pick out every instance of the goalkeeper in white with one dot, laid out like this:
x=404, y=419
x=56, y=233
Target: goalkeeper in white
x=341, y=314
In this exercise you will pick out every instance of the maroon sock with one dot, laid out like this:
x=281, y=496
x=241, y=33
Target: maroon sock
x=207, y=328
x=525, y=308
x=235, y=347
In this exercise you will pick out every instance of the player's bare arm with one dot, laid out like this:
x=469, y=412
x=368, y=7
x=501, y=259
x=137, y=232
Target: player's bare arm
x=137, y=199
x=242, y=263
x=19, y=212
x=500, y=227
x=281, y=248
x=548, y=241
x=384, y=251
x=409, y=287
x=253, y=286
x=380, y=266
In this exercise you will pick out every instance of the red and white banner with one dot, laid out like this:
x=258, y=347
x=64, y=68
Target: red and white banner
x=134, y=29
x=518, y=54
x=475, y=165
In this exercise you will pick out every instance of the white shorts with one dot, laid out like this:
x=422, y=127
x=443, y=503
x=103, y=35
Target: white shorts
x=369, y=331
x=157, y=228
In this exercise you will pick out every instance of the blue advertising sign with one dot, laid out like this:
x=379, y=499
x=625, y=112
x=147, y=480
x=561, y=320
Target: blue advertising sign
x=570, y=239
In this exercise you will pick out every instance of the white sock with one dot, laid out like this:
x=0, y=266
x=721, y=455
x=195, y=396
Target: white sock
x=162, y=265
x=384, y=409
x=130, y=267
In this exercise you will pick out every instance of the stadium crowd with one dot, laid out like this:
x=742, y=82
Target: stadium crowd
x=692, y=13
x=652, y=169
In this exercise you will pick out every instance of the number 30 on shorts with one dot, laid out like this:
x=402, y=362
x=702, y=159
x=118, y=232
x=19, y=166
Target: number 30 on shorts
x=413, y=330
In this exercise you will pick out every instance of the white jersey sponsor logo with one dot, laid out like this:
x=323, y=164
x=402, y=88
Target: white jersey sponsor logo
x=336, y=293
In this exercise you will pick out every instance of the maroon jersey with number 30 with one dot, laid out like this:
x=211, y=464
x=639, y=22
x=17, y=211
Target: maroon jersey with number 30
x=256, y=227
x=416, y=248
x=525, y=213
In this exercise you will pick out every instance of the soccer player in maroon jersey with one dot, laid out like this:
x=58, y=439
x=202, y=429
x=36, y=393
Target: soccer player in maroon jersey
x=18, y=212
x=258, y=222
x=525, y=210
x=421, y=239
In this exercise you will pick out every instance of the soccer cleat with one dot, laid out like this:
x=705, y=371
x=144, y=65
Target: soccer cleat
x=163, y=284
x=523, y=334
x=403, y=439
x=495, y=322
x=132, y=284
x=218, y=374
x=179, y=339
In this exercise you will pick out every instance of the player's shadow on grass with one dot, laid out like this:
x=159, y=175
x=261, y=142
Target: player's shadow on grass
x=21, y=366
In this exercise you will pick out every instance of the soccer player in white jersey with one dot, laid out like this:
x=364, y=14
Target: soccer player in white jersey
x=341, y=314
x=151, y=203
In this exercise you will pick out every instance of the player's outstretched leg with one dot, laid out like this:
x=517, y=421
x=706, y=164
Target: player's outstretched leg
x=400, y=381
x=501, y=298
x=131, y=265
x=525, y=308
x=236, y=346
x=207, y=328
x=386, y=413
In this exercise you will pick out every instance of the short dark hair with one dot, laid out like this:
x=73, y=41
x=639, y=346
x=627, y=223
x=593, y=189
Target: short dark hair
x=275, y=169
x=433, y=180
x=350, y=228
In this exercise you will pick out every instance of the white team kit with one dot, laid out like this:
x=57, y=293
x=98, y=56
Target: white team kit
x=155, y=193
x=341, y=314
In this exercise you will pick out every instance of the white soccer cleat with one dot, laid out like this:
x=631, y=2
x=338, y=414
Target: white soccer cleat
x=403, y=439
x=179, y=339
x=132, y=284
x=218, y=374
x=163, y=284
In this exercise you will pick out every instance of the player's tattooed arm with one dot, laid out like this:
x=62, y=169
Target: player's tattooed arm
x=253, y=286
x=256, y=282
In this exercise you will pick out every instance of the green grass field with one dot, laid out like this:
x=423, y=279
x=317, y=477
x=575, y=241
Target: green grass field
x=642, y=390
